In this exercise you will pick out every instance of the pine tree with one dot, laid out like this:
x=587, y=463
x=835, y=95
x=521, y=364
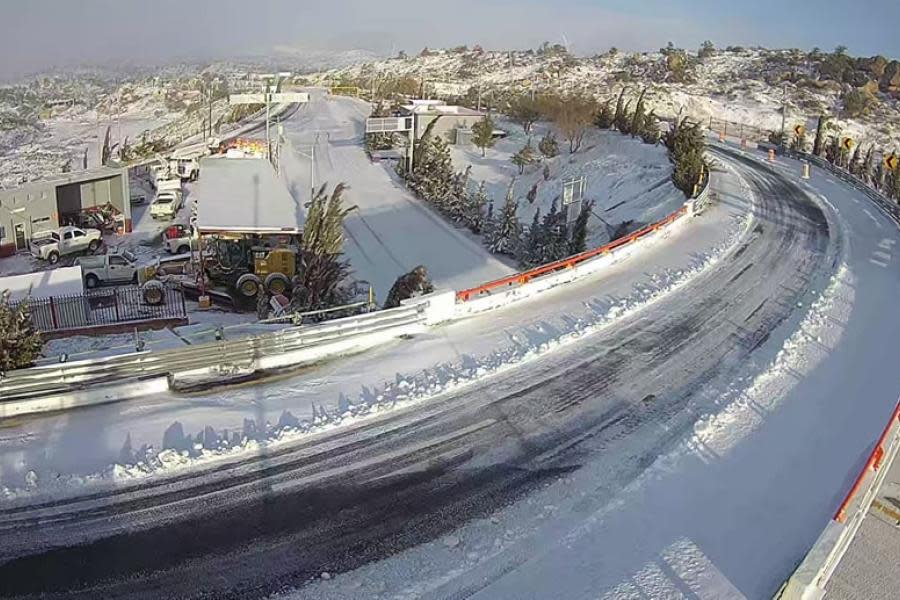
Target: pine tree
x=106, y=150
x=686, y=146
x=855, y=165
x=531, y=196
x=868, y=163
x=637, y=120
x=833, y=150
x=530, y=250
x=650, y=129
x=475, y=206
x=820, y=132
x=456, y=201
x=525, y=111
x=605, y=117
x=553, y=234
x=483, y=134
x=617, y=117
x=505, y=231
x=578, y=243
x=798, y=143
x=548, y=145
x=624, y=122
x=414, y=283
x=524, y=157
x=321, y=271
x=20, y=342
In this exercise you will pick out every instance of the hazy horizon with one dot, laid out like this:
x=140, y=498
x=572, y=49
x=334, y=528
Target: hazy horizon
x=43, y=35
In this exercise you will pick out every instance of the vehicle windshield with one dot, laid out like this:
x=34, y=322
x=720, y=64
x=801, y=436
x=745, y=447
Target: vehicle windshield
x=129, y=256
x=164, y=200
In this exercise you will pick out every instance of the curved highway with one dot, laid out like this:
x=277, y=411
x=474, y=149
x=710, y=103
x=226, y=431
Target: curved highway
x=346, y=499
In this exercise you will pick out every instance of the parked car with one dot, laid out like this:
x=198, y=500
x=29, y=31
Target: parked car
x=116, y=267
x=66, y=240
x=177, y=239
x=166, y=205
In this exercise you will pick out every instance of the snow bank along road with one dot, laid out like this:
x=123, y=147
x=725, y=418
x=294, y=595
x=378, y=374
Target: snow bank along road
x=578, y=459
x=390, y=232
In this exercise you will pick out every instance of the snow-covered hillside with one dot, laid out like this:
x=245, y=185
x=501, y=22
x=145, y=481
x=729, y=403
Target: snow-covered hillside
x=628, y=181
x=739, y=85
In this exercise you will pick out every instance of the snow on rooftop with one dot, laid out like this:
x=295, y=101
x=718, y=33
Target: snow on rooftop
x=245, y=195
x=63, y=281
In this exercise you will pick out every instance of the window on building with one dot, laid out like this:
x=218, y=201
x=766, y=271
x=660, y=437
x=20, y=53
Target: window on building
x=2, y=232
x=41, y=220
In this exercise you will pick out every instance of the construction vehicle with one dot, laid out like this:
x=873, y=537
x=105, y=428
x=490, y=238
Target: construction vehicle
x=248, y=265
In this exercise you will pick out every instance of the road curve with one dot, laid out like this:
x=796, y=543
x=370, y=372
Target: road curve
x=340, y=501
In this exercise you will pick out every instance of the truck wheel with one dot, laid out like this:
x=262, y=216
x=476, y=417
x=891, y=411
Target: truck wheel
x=183, y=249
x=153, y=293
x=94, y=245
x=91, y=281
x=277, y=283
x=53, y=257
x=248, y=285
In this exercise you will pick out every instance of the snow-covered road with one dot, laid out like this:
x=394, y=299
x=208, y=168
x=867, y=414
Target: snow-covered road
x=390, y=232
x=694, y=446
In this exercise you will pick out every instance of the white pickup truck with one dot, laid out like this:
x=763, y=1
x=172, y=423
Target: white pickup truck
x=166, y=205
x=117, y=267
x=66, y=240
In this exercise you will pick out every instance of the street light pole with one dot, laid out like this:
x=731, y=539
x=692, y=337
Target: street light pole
x=783, y=114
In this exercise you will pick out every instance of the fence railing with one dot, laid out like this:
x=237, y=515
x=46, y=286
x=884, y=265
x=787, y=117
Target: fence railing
x=812, y=576
x=105, y=306
x=283, y=348
x=570, y=262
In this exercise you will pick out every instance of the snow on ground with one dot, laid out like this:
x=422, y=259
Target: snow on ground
x=731, y=509
x=390, y=232
x=627, y=179
x=424, y=369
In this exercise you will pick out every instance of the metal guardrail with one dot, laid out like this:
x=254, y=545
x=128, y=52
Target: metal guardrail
x=808, y=582
x=249, y=354
x=700, y=202
x=892, y=209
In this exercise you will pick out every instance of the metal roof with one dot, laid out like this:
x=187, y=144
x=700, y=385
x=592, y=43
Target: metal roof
x=244, y=195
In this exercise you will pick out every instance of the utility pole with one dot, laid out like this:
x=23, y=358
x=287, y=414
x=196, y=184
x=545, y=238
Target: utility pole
x=783, y=114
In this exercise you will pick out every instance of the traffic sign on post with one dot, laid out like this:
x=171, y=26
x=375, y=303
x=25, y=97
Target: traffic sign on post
x=259, y=98
x=891, y=162
x=799, y=130
x=847, y=144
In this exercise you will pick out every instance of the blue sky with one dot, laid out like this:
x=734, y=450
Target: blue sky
x=36, y=34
